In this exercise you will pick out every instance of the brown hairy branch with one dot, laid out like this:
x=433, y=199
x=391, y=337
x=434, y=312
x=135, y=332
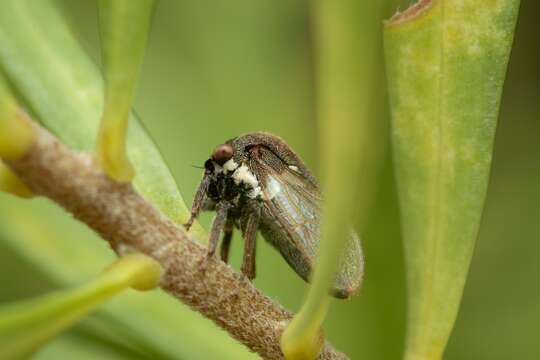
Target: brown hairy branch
x=128, y=223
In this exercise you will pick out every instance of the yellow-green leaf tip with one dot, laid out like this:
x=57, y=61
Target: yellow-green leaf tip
x=111, y=150
x=150, y=276
x=16, y=135
x=143, y=272
x=10, y=183
x=301, y=346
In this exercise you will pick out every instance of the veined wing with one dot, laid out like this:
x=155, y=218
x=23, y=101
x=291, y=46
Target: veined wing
x=294, y=204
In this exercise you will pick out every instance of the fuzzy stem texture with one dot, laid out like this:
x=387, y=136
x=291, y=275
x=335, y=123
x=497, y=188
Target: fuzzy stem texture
x=130, y=223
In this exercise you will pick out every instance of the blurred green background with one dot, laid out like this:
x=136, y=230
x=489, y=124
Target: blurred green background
x=216, y=69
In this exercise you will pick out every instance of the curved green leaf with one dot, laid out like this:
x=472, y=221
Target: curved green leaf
x=26, y=325
x=346, y=31
x=124, y=28
x=446, y=63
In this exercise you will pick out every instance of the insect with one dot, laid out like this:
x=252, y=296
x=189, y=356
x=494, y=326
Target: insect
x=256, y=182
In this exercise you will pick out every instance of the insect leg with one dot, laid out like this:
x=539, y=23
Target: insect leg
x=226, y=243
x=250, y=236
x=222, y=209
x=198, y=201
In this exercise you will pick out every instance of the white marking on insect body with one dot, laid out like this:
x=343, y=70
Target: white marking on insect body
x=243, y=175
x=254, y=192
x=217, y=168
x=230, y=165
x=294, y=168
x=272, y=188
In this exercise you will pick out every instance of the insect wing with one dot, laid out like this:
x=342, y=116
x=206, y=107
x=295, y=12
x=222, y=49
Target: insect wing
x=296, y=206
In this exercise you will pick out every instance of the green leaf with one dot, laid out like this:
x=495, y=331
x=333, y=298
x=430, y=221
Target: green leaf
x=347, y=34
x=68, y=253
x=446, y=64
x=27, y=325
x=124, y=28
x=64, y=88
x=75, y=345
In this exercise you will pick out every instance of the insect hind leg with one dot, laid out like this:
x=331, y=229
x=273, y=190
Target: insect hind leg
x=222, y=209
x=226, y=242
x=250, y=237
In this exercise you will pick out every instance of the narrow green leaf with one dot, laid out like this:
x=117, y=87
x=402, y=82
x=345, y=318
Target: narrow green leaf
x=124, y=28
x=27, y=325
x=81, y=346
x=446, y=63
x=62, y=86
x=347, y=34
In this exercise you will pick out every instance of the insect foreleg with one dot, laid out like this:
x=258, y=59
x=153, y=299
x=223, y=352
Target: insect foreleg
x=222, y=208
x=250, y=236
x=226, y=242
x=198, y=200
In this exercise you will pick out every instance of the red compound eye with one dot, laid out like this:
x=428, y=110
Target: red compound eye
x=222, y=153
